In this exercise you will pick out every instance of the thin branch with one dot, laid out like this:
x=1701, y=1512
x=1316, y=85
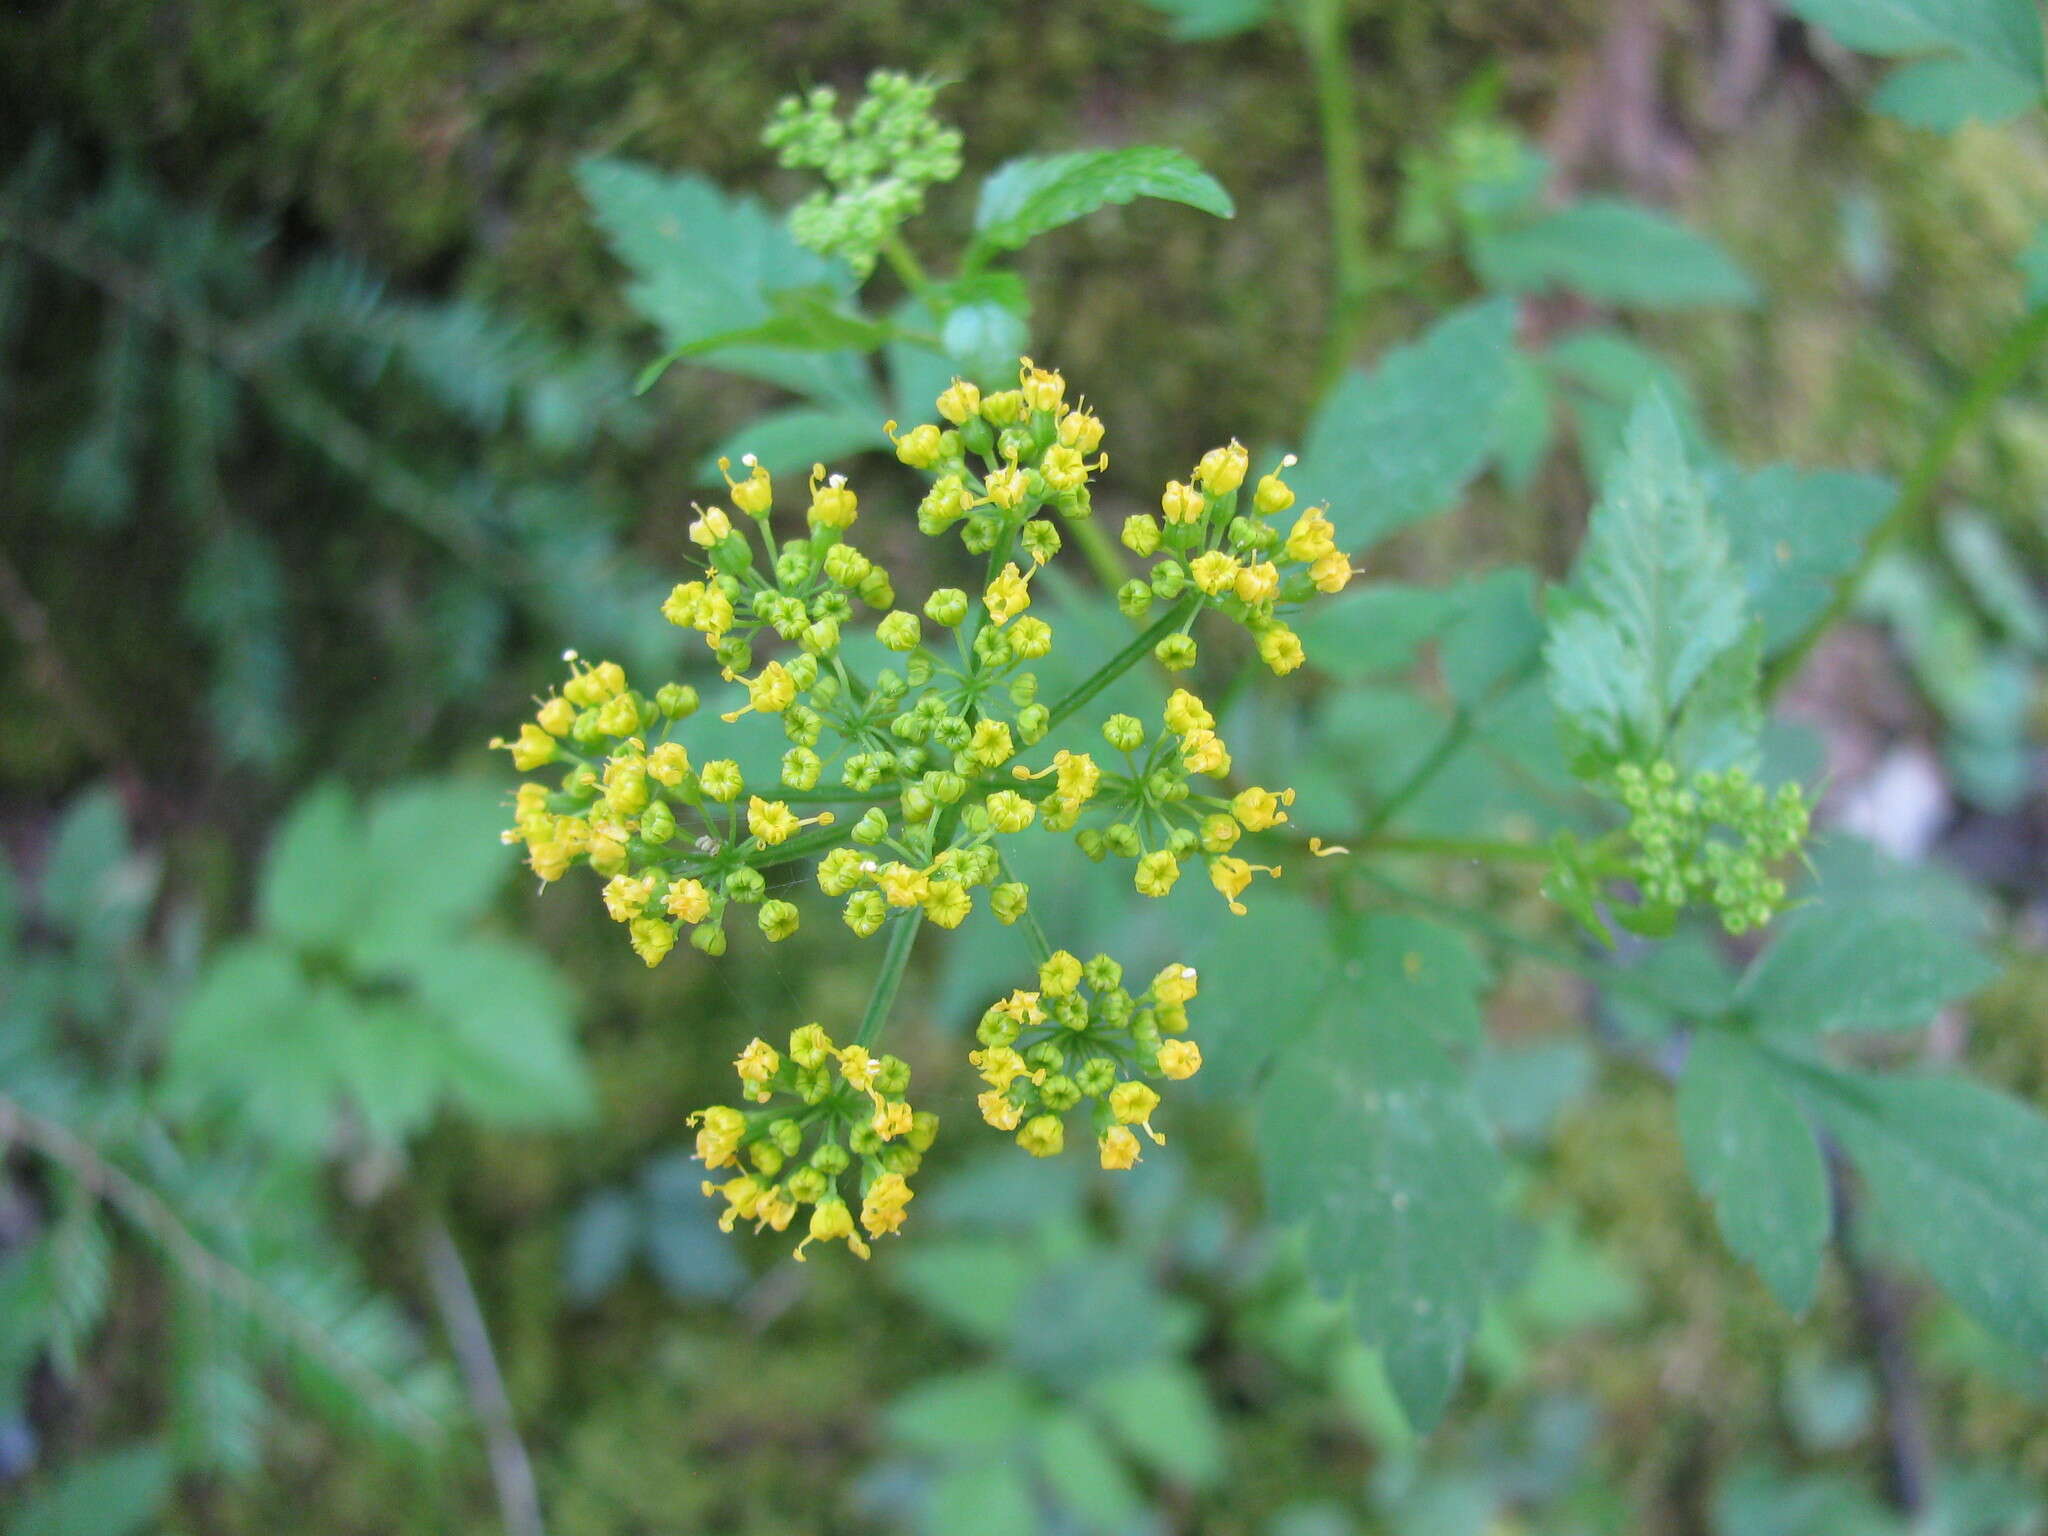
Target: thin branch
x=30, y=622
x=470, y=1338
x=151, y=1214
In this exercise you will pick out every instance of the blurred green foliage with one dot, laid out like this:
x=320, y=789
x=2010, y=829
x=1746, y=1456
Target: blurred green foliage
x=322, y=440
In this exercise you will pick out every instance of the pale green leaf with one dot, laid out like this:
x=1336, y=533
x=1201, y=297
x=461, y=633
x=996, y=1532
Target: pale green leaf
x=1372, y=630
x=1399, y=444
x=1655, y=603
x=1197, y=20
x=789, y=442
x=1267, y=988
x=983, y=1410
x=982, y=1498
x=1795, y=534
x=1960, y=1174
x=984, y=341
x=510, y=1054
x=1614, y=252
x=1411, y=974
x=1835, y=966
x=1989, y=49
x=312, y=889
x=431, y=859
x=1945, y=93
x=1082, y=1473
x=1024, y=198
x=705, y=263
x=1371, y=1140
x=1751, y=1152
x=1160, y=1414
x=116, y=1493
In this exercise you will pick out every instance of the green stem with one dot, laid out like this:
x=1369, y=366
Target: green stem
x=1917, y=496
x=895, y=960
x=1122, y=661
x=1321, y=25
x=1446, y=747
x=1482, y=850
x=904, y=263
x=1040, y=944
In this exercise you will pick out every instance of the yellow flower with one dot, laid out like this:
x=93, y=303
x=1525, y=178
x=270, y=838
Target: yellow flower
x=556, y=716
x=535, y=748
x=1280, y=649
x=1222, y=470
x=651, y=938
x=1007, y=596
x=1214, y=572
x=998, y=1110
x=688, y=900
x=1064, y=468
x=1007, y=488
x=1180, y=1058
x=1043, y=1136
x=901, y=885
x=833, y=504
x=1219, y=833
x=1231, y=875
x=859, y=1068
x=1009, y=811
x=920, y=447
x=753, y=495
x=1081, y=430
x=1156, y=873
x=831, y=1221
x=881, y=1209
x=1312, y=536
x=958, y=401
x=771, y=691
x=1140, y=535
x=1059, y=975
x=1000, y=1066
x=776, y=1209
x=1043, y=389
x=1185, y=712
x=1259, y=808
x=990, y=745
x=1273, y=494
x=947, y=903
x=1181, y=503
x=1257, y=583
x=742, y=1198
x=719, y=1132
x=711, y=528
x=1177, y=984
x=757, y=1064
x=1119, y=1147
x=625, y=897
x=809, y=1045
x=667, y=763
x=1132, y=1103
x=770, y=820
x=892, y=1117
x=1331, y=572
x=1203, y=752
x=1023, y=1006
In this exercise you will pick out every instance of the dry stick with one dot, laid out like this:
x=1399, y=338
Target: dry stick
x=1909, y=1460
x=470, y=1338
x=30, y=622
x=152, y=1215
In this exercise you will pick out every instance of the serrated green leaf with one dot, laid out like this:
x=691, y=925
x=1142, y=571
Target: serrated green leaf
x=1373, y=630
x=1960, y=1174
x=800, y=320
x=1752, y=1154
x=1997, y=578
x=1160, y=1414
x=1412, y=974
x=1614, y=252
x=1372, y=1141
x=984, y=340
x=1084, y=1476
x=1969, y=58
x=241, y=1041
x=431, y=858
x=705, y=263
x=1655, y=603
x=978, y=1285
x=1496, y=634
x=1602, y=374
x=510, y=1056
x=1279, y=972
x=88, y=889
x=1198, y=20
x=981, y=1410
x=1399, y=444
x=982, y=1498
x=1024, y=198
x=1794, y=534
x=1834, y=967
x=117, y=1493
x=790, y=441
x=312, y=888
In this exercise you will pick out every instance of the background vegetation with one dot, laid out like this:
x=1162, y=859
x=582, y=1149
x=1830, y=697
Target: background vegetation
x=316, y=409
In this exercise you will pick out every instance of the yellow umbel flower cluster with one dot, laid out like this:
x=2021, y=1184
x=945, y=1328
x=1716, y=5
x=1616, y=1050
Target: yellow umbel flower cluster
x=1216, y=548
x=1151, y=813
x=848, y=1114
x=1080, y=1036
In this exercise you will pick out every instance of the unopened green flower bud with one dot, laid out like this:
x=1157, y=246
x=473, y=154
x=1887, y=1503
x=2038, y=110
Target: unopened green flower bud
x=657, y=824
x=1176, y=653
x=899, y=631
x=676, y=700
x=1124, y=732
x=1134, y=599
x=947, y=606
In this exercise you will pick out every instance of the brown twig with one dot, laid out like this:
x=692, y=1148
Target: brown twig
x=470, y=1338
